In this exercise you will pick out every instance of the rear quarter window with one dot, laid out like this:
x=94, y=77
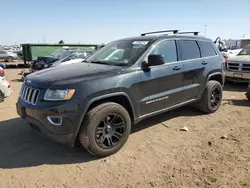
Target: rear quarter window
x=207, y=49
x=189, y=50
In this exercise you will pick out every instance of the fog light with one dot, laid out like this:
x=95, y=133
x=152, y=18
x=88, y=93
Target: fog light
x=55, y=120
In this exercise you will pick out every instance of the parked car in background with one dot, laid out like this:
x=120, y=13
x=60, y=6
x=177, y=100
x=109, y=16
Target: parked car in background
x=5, y=88
x=76, y=57
x=237, y=68
x=95, y=103
x=60, y=57
x=8, y=56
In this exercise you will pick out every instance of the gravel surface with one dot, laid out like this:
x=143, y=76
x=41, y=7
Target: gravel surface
x=214, y=152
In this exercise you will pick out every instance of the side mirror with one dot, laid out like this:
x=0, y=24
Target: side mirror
x=155, y=59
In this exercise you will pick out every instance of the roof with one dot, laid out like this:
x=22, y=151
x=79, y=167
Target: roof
x=155, y=37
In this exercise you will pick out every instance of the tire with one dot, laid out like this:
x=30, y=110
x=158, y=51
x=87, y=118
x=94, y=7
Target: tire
x=9, y=59
x=1, y=96
x=206, y=104
x=99, y=120
x=248, y=94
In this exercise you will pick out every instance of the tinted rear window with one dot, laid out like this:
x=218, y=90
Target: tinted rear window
x=206, y=49
x=189, y=49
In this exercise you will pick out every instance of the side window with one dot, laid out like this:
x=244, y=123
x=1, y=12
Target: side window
x=168, y=50
x=2, y=52
x=206, y=49
x=189, y=49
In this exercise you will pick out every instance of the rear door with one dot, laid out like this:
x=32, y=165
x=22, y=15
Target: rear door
x=195, y=68
x=161, y=86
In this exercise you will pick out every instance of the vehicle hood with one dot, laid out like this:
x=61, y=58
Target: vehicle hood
x=241, y=58
x=46, y=59
x=67, y=73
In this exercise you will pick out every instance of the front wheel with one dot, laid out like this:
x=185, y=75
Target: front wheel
x=105, y=129
x=211, y=98
x=9, y=59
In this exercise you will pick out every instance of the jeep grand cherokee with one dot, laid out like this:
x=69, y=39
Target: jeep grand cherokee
x=95, y=103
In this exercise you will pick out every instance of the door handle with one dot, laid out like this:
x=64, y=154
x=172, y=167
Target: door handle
x=204, y=63
x=176, y=68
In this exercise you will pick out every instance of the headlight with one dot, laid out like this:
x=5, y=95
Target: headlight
x=59, y=95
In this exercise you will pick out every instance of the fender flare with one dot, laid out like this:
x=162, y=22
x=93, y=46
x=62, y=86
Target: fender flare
x=208, y=78
x=214, y=74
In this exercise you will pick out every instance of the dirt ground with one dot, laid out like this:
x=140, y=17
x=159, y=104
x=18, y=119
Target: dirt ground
x=157, y=154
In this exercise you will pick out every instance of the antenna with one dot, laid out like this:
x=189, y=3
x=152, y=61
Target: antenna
x=154, y=32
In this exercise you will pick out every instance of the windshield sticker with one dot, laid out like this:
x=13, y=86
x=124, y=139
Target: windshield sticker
x=140, y=42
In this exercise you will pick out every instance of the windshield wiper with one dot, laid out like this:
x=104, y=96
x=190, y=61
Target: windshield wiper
x=121, y=64
x=101, y=62
x=107, y=63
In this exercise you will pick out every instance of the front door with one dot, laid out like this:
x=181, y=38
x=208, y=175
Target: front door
x=161, y=86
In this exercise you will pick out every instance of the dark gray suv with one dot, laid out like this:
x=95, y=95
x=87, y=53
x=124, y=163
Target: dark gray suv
x=95, y=103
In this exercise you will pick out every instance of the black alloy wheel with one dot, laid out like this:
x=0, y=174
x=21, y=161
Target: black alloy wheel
x=110, y=131
x=215, y=97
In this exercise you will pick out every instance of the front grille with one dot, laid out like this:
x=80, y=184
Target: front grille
x=246, y=67
x=234, y=66
x=29, y=95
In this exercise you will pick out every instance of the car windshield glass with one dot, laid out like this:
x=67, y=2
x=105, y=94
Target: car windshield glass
x=61, y=54
x=119, y=53
x=245, y=51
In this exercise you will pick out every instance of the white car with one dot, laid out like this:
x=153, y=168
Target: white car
x=72, y=61
x=231, y=53
x=5, y=88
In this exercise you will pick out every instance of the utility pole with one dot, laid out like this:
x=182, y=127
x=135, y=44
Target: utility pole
x=44, y=39
x=205, y=32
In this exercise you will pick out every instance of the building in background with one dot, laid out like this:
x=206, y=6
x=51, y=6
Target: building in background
x=238, y=43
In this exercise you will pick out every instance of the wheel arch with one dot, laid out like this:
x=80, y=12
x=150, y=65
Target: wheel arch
x=217, y=76
x=119, y=97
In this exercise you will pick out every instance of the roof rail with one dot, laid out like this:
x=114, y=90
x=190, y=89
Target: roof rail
x=195, y=32
x=166, y=31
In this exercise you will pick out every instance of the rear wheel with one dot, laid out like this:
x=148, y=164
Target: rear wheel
x=211, y=98
x=105, y=129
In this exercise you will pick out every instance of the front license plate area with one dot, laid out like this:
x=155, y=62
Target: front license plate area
x=237, y=75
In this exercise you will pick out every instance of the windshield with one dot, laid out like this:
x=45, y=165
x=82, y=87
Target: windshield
x=245, y=51
x=119, y=53
x=61, y=54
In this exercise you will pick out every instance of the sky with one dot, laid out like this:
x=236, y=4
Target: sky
x=101, y=21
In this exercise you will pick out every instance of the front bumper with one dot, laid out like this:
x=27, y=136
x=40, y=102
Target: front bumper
x=64, y=133
x=237, y=76
x=67, y=139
